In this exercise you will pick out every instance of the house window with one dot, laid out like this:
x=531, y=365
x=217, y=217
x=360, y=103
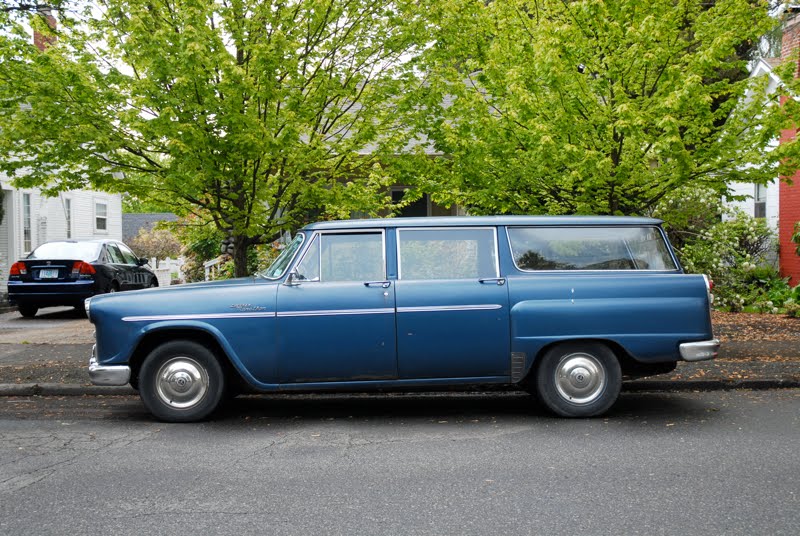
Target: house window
x=100, y=217
x=68, y=215
x=760, y=205
x=26, y=222
x=420, y=207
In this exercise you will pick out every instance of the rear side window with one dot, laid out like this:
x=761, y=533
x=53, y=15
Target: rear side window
x=589, y=248
x=447, y=253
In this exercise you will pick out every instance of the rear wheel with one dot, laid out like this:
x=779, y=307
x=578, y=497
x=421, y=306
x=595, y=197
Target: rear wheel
x=181, y=381
x=579, y=379
x=28, y=311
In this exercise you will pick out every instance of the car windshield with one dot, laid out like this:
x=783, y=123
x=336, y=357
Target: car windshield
x=82, y=251
x=277, y=268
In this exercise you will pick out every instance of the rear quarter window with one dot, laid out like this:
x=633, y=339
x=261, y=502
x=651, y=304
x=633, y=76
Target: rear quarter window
x=589, y=248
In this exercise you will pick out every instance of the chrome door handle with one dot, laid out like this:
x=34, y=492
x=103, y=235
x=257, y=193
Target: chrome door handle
x=497, y=280
x=384, y=284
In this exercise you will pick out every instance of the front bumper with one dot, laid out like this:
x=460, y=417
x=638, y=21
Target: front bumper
x=699, y=351
x=107, y=374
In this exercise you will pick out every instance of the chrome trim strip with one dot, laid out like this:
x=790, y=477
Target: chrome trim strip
x=443, y=308
x=206, y=316
x=338, y=312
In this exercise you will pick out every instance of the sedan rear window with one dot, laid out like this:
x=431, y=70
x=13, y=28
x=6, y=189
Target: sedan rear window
x=589, y=248
x=80, y=251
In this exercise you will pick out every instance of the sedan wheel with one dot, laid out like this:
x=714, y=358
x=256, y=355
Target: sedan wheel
x=181, y=381
x=28, y=311
x=579, y=379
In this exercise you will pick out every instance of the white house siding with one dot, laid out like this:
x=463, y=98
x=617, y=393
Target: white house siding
x=5, y=234
x=748, y=205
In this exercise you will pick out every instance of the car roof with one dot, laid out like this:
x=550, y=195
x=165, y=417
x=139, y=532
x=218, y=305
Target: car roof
x=83, y=241
x=480, y=221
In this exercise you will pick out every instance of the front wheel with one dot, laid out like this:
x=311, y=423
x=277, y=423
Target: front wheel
x=579, y=379
x=28, y=311
x=181, y=381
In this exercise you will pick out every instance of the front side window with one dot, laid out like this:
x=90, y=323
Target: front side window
x=447, y=253
x=127, y=254
x=343, y=257
x=101, y=217
x=114, y=254
x=589, y=248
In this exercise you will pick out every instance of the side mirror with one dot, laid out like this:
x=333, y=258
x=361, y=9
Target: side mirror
x=292, y=280
x=142, y=261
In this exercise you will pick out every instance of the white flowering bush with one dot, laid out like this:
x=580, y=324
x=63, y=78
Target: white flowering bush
x=734, y=251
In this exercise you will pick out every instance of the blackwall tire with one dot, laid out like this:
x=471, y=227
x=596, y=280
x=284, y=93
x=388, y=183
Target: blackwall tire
x=28, y=311
x=579, y=379
x=181, y=381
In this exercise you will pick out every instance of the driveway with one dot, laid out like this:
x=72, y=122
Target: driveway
x=54, y=325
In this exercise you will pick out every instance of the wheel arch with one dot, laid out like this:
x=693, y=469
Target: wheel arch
x=153, y=339
x=626, y=361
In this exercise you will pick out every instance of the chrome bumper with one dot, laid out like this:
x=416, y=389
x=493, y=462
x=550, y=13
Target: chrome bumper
x=107, y=374
x=699, y=351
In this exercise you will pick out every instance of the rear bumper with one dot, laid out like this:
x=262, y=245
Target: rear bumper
x=47, y=294
x=107, y=374
x=699, y=351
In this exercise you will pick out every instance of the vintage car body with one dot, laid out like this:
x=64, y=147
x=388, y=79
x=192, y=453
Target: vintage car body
x=563, y=306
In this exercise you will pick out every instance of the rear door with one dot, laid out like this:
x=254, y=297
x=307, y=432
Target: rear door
x=452, y=304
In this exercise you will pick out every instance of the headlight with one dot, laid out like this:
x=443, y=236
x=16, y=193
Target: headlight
x=87, y=304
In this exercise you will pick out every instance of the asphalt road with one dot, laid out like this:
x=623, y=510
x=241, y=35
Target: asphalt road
x=666, y=463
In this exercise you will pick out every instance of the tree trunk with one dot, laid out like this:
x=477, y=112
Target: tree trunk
x=240, y=247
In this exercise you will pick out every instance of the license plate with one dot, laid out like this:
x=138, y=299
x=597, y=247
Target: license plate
x=50, y=273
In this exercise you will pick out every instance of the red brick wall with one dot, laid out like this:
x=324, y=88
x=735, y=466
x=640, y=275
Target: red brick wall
x=789, y=196
x=40, y=41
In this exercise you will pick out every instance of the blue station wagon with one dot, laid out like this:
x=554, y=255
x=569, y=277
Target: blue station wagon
x=564, y=307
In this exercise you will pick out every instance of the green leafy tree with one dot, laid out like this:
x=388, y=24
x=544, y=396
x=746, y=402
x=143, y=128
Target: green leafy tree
x=592, y=106
x=253, y=116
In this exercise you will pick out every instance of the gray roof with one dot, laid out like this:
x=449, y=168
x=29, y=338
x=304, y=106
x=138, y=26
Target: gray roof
x=133, y=223
x=467, y=221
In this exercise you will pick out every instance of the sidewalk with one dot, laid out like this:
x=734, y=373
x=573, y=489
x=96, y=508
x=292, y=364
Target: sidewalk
x=758, y=352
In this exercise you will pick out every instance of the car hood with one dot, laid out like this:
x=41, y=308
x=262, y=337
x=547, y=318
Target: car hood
x=174, y=294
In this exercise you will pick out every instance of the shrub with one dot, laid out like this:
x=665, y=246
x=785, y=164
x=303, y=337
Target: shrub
x=735, y=254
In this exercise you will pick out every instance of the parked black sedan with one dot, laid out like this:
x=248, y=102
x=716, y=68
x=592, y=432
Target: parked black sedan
x=67, y=272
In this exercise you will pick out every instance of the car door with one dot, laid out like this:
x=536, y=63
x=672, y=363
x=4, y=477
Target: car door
x=139, y=275
x=452, y=304
x=336, y=312
x=118, y=266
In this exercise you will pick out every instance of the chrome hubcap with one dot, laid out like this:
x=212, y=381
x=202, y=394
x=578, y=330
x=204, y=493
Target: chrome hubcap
x=580, y=378
x=181, y=382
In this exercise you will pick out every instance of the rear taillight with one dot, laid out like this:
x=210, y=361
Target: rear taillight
x=19, y=268
x=82, y=268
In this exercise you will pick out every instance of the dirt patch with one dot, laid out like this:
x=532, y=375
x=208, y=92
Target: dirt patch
x=743, y=327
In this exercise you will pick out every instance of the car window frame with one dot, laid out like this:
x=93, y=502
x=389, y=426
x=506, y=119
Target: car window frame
x=658, y=228
x=312, y=238
x=122, y=249
x=110, y=255
x=495, y=236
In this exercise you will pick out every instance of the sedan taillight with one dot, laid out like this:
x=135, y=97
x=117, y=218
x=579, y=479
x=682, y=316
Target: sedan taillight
x=82, y=268
x=19, y=268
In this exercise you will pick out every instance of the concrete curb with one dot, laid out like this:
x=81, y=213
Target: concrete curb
x=709, y=385
x=73, y=389
x=62, y=389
